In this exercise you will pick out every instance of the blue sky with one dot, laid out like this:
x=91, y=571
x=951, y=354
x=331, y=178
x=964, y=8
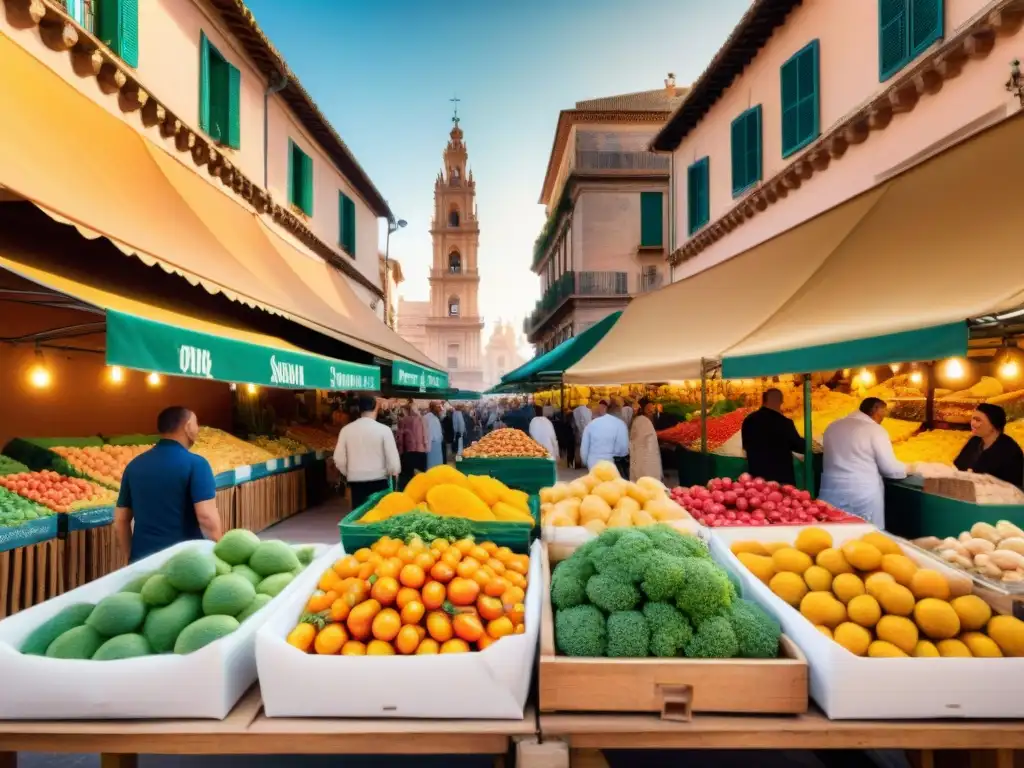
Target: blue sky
x=383, y=73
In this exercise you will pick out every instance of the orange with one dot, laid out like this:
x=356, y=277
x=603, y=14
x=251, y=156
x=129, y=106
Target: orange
x=412, y=576
x=455, y=645
x=408, y=640
x=386, y=624
x=385, y=590
x=362, y=555
x=406, y=595
x=500, y=627
x=353, y=648
x=379, y=648
x=428, y=645
x=463, y=591
x=439, y=626
x=413, y=612
x=434, y=595
x=496, y=587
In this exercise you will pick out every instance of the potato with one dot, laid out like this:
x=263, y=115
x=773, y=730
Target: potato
x=985, y=531
x=955, y=558
x=1014, y=544
x=979, y=546
x=1006, y=560
x=1008, y=530
x=928, y=542
x=986, y=567
x=1013, y=576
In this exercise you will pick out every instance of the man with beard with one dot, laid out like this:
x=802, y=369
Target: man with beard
x=168, y=491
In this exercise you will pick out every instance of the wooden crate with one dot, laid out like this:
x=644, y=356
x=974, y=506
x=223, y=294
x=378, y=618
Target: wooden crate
x=29, y=576
x=675, y=688
x=226, y=507
x=90, y=555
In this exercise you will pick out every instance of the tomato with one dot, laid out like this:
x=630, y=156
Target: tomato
x=434, y=595
x=442, y=572
x=413, y=612
x=302, y=637
x=515, y=612
x=366, y=570
x=519, y=564
x=386, y=624
x=347, y=566
x=340, y=609
x=407, y=640
x=405, y=596
x=463, y=545
x=515, y=579
x=362, y=555
x=390, y=567
x=489, y=547
x=482, y=576
x=497, y=567
x=479, y=554
x=405, y=554
x=496, y=587
x=428, y=645
x=503, y=554
x=425, y=560
x=490, y=607
x=330, y=639
x=412, y=576
x=379, y=648
x=353, y=648
x=463, y=591
x=439, y=626
x=520, y=629
x=485, y=642
x=321, y=601
x=385, y=590
x=452, y=556
x=468, y=627
x=513, y=595
x=439, y=544
x=388, y=547
x=466, y=567
x=455, y=645
x=500, y=627
x=360, y=619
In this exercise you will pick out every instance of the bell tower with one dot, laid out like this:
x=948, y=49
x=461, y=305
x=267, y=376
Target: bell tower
x=455, y=325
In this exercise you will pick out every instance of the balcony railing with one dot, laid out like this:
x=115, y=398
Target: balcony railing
x=650, y=281
x=81, y=11
x=576, y=284
x=608, y=160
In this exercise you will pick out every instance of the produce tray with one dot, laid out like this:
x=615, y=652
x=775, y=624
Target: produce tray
x=489, y=684
x=29, y=532
x=912, y=513
x=528, y=475
x=133, y=439
x=87, y=519
x=849, y=687
x=676, y=688
x=37, y=456
x=515, y=536
x=1000, y=587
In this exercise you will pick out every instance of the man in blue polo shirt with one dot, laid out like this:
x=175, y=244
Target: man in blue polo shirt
x=168, y=491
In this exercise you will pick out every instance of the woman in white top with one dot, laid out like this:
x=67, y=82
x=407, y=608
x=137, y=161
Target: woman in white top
x=543, y=431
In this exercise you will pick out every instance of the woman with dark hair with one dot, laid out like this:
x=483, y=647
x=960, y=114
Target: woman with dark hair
x=990, y=451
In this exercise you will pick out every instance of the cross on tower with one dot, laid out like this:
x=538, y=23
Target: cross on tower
x=455, y=101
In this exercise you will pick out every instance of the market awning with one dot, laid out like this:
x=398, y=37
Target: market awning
x=406, y=375
x=151, y=338
x=84, y=167
x=664, y=335
x=942, y=244
x=554, y=362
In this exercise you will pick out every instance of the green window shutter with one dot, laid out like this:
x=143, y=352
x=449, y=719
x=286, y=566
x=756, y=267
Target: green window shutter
x=350, y=226
x=738, y=151
x=926, y=24
x=698, y=202
x=692, y=201
x=651, y=219
x=893, y=37
x=753, y=128
x=292, y=166
x=307, y=184
x=128, y=24
x=746, y=150
x=204, y=82
x=234, y=137
x=800, y=99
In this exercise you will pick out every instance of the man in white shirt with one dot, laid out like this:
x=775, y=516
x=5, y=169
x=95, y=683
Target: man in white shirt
x=459, y=427
x=366, y=453
x=543, y=431
x=604, y=439
x=581, y=417
x=627, y=414
x=858, y=454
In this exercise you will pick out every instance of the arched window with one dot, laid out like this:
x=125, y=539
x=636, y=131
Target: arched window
x=455, y=263
x=453, y=306
x=455, y=174
x=453, y=217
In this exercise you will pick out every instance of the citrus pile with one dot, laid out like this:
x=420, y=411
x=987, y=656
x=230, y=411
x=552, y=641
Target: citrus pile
x=416, y=598
x=506, y=444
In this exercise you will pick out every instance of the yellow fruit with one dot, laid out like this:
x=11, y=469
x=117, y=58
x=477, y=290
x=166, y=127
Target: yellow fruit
x=620, y=520
x=864, y=610
x=753, y=547
x=392, y=504
x=813, y=540
x=450, y=500
x=594, y=508
x=417, y=488
x=898, y=630
x=509, y=514
x=862, y=556
x=823, y=608
x=445, y=474
x=605, y=471
x=937, y=619
x=519, y=499
x=847, y=586
x=627, y=505
x=874, y=581
x=853, y=638
x=981, y=645
x=774, y=546
x=925, y=649
x=825, y=631
x=759, y=565
x=579, y=489
x=489, y=490
x=928, y=583
x=900, y=567
x=789, y=586
x=791, y=560
x=973, y=612
x=610, y=492
x=896, y=599
x=882, y=543
x=596, y=526
x=833, y=561
x=883, y=650
x=1008, y=632
x=818, y=579
x=953, y=648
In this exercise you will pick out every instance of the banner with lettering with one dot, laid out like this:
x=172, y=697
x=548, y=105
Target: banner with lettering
x=408, y=375
x=147, y=345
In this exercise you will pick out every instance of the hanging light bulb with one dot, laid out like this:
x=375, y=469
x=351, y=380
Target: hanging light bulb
x=116, y=373
x=39, y=375
x=895, y=367
x=867, y=378
x=153, y=379
x=916, y=378
x=1009, y=369
x=252, y=389
x=954, y=368
x=232, y=386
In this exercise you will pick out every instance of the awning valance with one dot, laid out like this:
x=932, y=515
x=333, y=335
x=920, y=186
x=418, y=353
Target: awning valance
x=553, y=363
x=406, y=375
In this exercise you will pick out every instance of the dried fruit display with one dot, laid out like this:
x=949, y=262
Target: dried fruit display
x=506, y=444
x=226, y=452
x=939, y=446
x=105, y=463
x=313, y=438
x=280, y=447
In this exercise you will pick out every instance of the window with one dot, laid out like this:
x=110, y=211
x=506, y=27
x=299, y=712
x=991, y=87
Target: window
x=453, y=356
x=698, y=206
x=300, y=178
x=651, y=216
x=219, y=96
x=455, y=263
x=117, y=24
x=800, y=123
x=453, y=217
x=453, y=306
x=82, y=12
x=905, y=29
x=347, y=224
x=746, y=150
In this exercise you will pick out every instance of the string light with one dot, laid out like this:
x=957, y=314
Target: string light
x=916, y=378
x=252, y=389
x=1009, y=369
x=116, y=374
x=153, y=379
x=954, y=368
x=867, y=378
x=39, y=375
x=232, y=386
x=895, y=367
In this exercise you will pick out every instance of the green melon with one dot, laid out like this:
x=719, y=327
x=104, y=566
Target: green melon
x=204, y=631
x=123, y=647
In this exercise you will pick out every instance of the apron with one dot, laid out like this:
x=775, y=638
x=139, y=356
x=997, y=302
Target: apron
x=863, y=497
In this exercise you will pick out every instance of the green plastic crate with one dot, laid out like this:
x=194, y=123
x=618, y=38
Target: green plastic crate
x=515, y=536
x=529, y=475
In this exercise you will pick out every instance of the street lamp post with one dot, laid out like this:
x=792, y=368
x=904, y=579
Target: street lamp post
x=393, y=226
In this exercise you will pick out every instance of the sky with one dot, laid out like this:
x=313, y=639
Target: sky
x=383, y=73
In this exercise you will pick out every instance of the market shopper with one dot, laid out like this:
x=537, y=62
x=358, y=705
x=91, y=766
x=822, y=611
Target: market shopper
x=990, y=451
x=412, y=445
x=543, y=431
x=858, y=455
x=435, y=436
x=770, y=439
x=644, y=451
x=459, y=431
x=605, y=439
x=581, y=417
x=366, y=453
x=168, y=491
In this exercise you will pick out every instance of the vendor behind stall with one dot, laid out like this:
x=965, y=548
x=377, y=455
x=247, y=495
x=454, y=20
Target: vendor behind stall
x=770, y=439
x=990, y=451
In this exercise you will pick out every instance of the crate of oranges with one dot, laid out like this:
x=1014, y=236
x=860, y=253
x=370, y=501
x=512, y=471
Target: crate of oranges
x=396, y=623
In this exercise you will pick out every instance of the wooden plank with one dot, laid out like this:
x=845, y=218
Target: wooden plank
x=5, y=584
x=118, y=760
x=17, y=570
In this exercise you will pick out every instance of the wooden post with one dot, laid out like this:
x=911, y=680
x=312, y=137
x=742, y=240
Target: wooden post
x=929, y=401
x=808, y=438
x=704, y=462
x=116, y=760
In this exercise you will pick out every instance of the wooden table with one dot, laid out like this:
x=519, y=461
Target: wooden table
x=246, y=730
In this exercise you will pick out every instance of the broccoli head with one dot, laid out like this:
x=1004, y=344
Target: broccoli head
x=627, y=555
x=612, y=591
x=706, y=590
x=675, y=542
x=628, y=635
x=580, y=631
x=670, y=631
x=664, y=575
x=734, y=581
x=756, y=632
x=714, y=639
x=568, y=590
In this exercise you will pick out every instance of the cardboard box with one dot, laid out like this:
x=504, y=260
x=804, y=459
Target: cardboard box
x=485, y=685
x=849, y=687
x=204, y=684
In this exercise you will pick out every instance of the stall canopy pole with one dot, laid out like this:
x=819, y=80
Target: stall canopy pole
x=705, y=463
x=808, y=438
x=929, y=401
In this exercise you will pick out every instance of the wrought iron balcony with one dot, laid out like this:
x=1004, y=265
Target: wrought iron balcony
x=607, y=160
x=575, y=284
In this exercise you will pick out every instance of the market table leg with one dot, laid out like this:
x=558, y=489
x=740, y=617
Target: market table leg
x=117, y=760
x=531, y=752
x=8, y=760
